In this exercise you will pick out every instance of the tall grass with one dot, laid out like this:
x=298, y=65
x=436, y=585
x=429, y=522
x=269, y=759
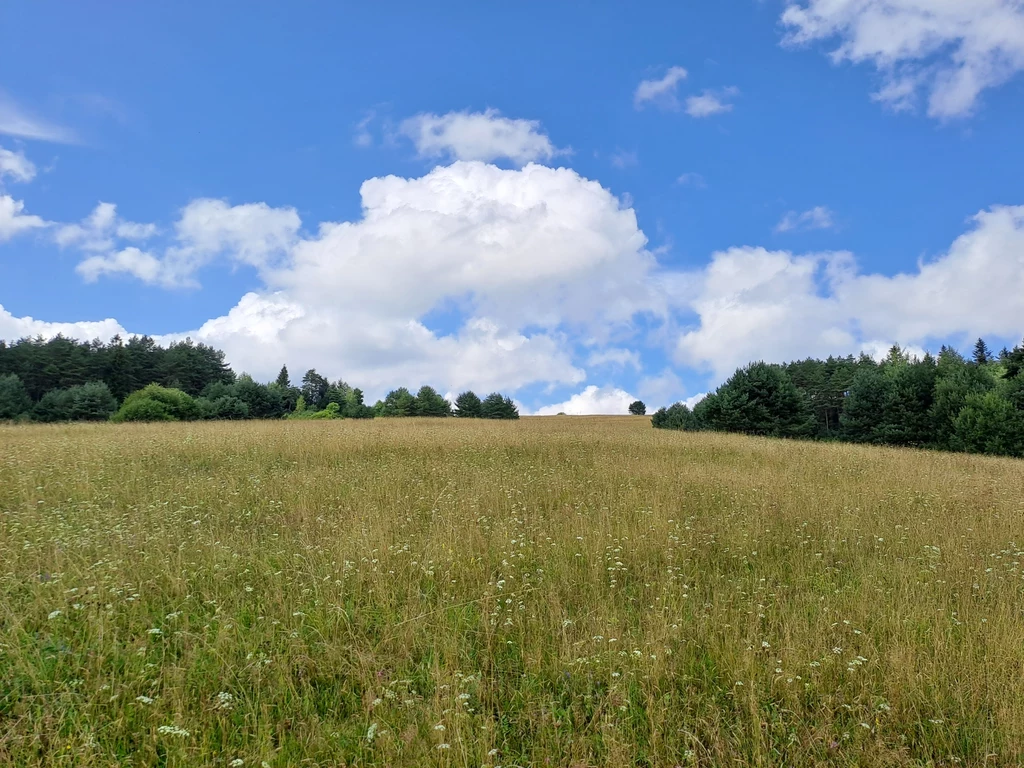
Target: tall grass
x=548, y=592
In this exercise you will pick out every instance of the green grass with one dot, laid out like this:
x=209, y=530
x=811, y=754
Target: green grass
x=563, y=592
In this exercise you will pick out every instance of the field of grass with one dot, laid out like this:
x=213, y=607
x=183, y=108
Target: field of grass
x=548, y=592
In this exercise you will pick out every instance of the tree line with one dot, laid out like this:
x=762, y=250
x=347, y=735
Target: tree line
x=946, y=402
x=61, y=379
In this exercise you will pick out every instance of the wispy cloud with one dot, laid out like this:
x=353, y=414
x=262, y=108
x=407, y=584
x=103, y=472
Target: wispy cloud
x=691, y=179
x=16, y=165
x=819, y=217
x=16, y=121
x=661, y=92
x=362, y=136
x=623, y=159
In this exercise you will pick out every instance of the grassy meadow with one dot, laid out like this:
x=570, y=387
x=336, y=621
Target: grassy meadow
x=548, y=592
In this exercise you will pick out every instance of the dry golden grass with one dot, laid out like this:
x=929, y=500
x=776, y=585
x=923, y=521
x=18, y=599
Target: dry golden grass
x=563, y=592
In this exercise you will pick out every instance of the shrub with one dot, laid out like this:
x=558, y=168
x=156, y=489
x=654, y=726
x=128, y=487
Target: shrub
x=676, y=416
x=156, y=403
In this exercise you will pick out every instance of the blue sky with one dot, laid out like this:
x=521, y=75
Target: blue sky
x=575, y=205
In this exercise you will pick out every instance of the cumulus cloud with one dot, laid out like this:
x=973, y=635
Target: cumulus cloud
x=661, y=92
x=710, y=102
x=16, y=166
x=253, y=234
x=13, y=219
x=17, y=121
x=818, y=217
x=12, y=327
x=951, y=51
x=757, y=304
x=128, y=261
x=100, y=229
x=485, y=136
x=532, y=258
x=593, y=400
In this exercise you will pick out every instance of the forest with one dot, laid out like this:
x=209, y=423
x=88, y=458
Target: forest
x=944, y=402
x=62, y=379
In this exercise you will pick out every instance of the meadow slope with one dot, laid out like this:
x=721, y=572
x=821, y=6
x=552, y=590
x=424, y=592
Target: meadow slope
x=562, y=591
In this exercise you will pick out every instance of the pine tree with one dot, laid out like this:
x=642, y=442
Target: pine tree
x=468, y=405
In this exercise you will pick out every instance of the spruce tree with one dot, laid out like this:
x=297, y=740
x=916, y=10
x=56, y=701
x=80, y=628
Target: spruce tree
x=982, y=355
x=282, y=378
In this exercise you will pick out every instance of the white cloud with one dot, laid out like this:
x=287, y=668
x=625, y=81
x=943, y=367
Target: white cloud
x=15, y=121
x=663, y=389
x=128, y=261
x=16, y=166
x=818, y=217
x=756, y=304
x=615, y=357
x=254, y=234
x=660, y=92
x=12, y=219
x=710, y=102
x=100, y=229
x=592, y=401
x=691, y=179
x=12, y=327
x=952, y=50
x=691, y=401
x=362, y=136
x=531, y=258
x=485, y=136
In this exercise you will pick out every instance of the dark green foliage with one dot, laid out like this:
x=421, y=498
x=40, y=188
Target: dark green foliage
x=468, y=405
x=399, y=402
x=946, y=403
x=314, y=389
x=262, y=401
x=54, y=406
x=955, y=381
x=495, y=406
x=282, y=378
x=760, y=399
x=190, y=367
x=62, y=363
x=676, y=416
x=229, y=408
x=430, y=403
x=1013, y=361
x=982, y=355
x=92, y=402
x=906, y=415
x=864, y=406
x=989, y=423
x=355, y=408
x=156, y=403
x=637, y=408
x=14, y=399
